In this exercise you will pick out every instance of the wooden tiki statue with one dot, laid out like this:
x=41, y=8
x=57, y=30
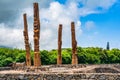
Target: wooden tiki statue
x=74, y=45
x=26, y=40
x=59, y=58
x=37, y=61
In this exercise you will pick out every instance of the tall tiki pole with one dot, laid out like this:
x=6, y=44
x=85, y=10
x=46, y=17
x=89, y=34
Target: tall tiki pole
x=37, y=61
x=26, y=40
x=74, y=45
x=59, y=58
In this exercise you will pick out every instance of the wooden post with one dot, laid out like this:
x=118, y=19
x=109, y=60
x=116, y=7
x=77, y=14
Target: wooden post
x=59, y=58
x=26, y=40
x=37, y=61
x=74, y=45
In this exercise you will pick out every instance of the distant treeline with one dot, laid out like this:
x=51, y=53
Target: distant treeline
x=89, y=55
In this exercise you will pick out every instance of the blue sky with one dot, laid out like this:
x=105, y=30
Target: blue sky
x=106, y=28
x=97, y=22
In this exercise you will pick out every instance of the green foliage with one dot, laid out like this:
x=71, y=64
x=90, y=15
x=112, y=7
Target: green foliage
x=32, y=56
x=8, y=55
x=108, y=46
x=53, y=56
x=45, y=57
x=20, y=57
x=89, y=55
x=92, y=59
x=7, y=61
x=66, y=57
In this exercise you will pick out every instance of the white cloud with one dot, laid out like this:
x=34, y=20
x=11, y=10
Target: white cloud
x=53, y=16
x=89, y=25
x=107, y=3
x=11, y=37
x=92, y=4
x=50, y=18
x=86, y=7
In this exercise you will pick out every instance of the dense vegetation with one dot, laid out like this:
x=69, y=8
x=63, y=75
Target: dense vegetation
x=88, y=55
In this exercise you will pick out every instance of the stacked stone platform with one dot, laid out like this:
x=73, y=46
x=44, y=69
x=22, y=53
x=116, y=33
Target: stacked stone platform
x=64, y=72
